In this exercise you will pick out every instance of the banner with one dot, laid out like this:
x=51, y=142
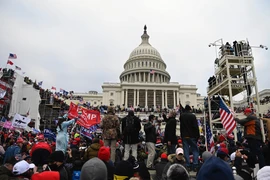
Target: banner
x=87, y=132
x=87, y=118
x=49, y=134
x=7, y=125
x=20, y=121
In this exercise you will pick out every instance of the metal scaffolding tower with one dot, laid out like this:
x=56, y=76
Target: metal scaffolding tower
x=234, y=74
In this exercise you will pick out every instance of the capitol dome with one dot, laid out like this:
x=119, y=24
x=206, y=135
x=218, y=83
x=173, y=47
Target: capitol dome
x=145, y=64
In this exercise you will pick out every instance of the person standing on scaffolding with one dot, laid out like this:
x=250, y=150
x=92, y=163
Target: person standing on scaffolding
x=253, y=135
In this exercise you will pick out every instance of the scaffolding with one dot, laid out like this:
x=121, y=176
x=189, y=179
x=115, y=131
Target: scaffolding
x=234, y=74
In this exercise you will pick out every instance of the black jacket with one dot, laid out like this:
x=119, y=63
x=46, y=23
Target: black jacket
x=189, y=125
x=134, y=137
x=170, y=130
x=159, y=168
x=110, y=170
x=150, y=133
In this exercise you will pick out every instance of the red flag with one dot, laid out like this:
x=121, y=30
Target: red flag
x=53, y=88
x=87, y=118
x=10, y=62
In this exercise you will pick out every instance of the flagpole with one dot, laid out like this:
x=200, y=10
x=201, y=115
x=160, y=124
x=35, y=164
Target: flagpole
x=205, y=133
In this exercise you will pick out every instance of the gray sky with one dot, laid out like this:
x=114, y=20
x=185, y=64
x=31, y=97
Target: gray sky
x=78, y=45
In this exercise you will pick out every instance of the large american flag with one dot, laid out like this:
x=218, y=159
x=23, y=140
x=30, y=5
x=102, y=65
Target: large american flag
x=226, y=117
x=210, y=139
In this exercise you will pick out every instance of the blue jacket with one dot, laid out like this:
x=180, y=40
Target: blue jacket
x=12, y=151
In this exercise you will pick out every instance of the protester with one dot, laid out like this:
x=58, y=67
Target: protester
x=190, y=133
x=14, y=150
x=170, y=132
x=150, y=139
x=215, y=168
x=7, y=168
x=46, y=175
x=92, y=150
x=160, y=166
x=62, y=135
x=253, y=135
x=111, y=126
x=131, y=126
x=176, y=172
x=94, y=169
x=56, y=163
x=104, y=155
x=23, y=170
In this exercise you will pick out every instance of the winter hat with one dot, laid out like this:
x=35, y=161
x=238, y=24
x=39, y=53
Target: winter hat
x=263, y=173
x=215, y=168
x=19, y=140
x=223, y=151
x=104, y=153
x=124, y=169
x=41, y=137
x=21, y=167
x=110, y=109
x=179, y=151
x=206, y=155
x=247, y=110
x=52, y=175
x=177, y=171
x=57, y=156
x=187, y=108
x=94, y=169
x=163, y=156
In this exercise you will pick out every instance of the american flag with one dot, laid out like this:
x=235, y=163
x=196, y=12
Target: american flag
x=18, y=68
x=62, y=90
x=210, y=139
x=40, y=83
x=12, y=56
x=152, y=71
x=226, y=117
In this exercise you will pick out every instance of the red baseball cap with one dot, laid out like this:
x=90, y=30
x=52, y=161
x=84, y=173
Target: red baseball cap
x=164, y=156
x=248, y=110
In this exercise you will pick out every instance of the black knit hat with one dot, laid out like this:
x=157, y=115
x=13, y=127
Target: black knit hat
x=57, y=156
x=124, y=168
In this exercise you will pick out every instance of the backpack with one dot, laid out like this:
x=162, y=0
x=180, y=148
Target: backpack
x=76, y=175
x=129, y=129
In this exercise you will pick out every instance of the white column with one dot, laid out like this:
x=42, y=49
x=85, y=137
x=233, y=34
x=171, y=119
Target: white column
x=144, y=77
x=174, y=100
x=154, y=98
x=166, y=99
x=146, y=105
x=126, y=99
x=135, y=75
x=140, y=80
x=122, y=97
x=148, y=80
x=138, y=96
x=134, y=103
x=162, y=100
x=177, y=97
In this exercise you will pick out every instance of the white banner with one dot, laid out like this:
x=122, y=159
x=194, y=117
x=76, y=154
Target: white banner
x=20, y=121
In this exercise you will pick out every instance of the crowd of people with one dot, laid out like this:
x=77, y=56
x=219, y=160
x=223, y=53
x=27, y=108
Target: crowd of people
x=26, y=155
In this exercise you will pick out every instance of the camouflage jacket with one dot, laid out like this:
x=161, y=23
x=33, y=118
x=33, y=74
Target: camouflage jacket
x=110, y=125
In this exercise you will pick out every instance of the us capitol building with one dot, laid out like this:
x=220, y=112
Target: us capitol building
x=145, y=83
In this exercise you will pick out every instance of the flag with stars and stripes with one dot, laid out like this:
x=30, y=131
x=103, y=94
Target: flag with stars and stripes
x=226, y=117
x=210, y=139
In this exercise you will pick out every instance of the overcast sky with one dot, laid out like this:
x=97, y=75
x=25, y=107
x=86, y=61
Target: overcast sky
x=77, y=45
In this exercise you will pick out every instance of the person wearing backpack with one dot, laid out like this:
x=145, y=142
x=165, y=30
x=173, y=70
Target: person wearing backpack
x=131, y=126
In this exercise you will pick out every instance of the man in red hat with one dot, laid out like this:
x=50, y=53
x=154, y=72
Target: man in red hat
x=253, y=135
x=40, y=152
x=14, y=150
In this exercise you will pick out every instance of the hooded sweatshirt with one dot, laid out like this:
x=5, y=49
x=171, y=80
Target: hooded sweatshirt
x=94, y=169
x=215, y=168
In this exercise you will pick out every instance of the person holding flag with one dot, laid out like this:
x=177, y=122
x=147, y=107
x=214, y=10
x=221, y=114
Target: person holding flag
x=253, y=135
x=62, y=135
